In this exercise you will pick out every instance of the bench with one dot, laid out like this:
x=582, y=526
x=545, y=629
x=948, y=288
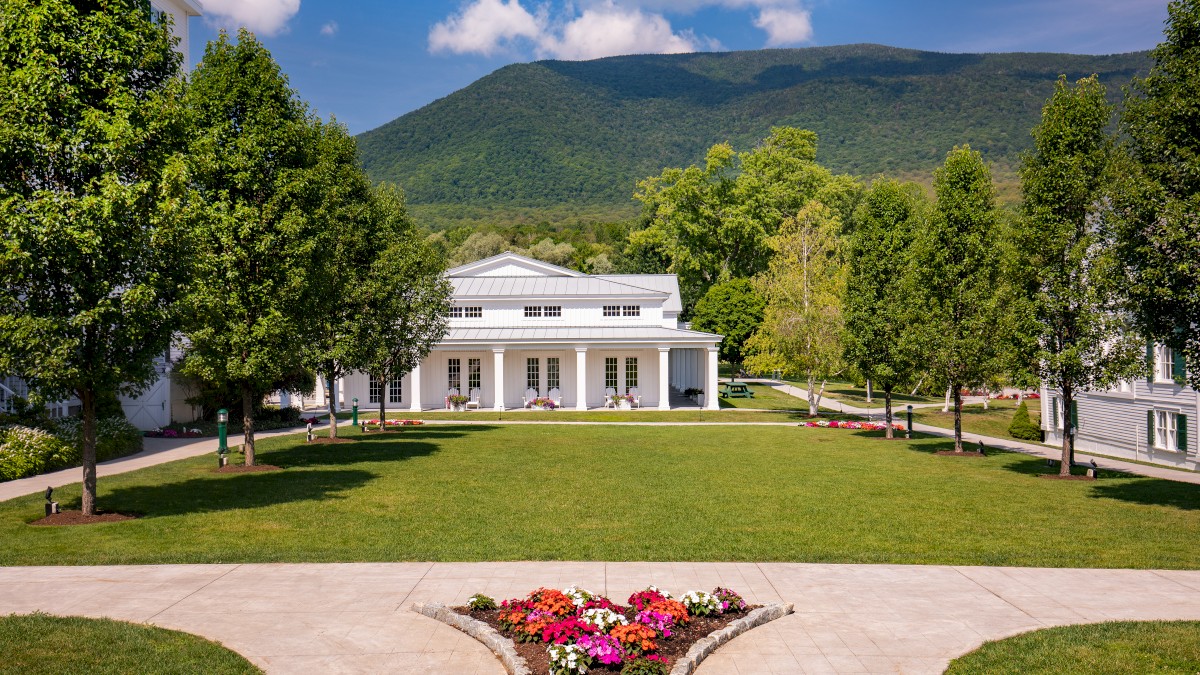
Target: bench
x=1093, y=471
x=736, y=390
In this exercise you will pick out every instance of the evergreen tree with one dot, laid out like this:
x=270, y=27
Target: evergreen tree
x=92, y=201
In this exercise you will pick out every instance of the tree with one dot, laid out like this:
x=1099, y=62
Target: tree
x=1083, y=339
x=734, y=309
x=880, y=341
x=1158, y=234
x=478, y=246
x=956, y=263
x=406, y=300
x=93, y=210
x=347, y=241
x=257, y=267
x=802, y=327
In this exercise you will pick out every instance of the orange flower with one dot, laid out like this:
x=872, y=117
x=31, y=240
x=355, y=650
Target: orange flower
x=677, y=610
x=635, y=636
x=550, y=600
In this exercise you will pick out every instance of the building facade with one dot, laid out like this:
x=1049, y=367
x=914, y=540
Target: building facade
x=521, y=327
x=1155, y=419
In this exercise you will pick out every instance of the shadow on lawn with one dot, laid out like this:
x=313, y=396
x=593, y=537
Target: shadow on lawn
x=229, y=492
x=1150, y=491
x=387, y=447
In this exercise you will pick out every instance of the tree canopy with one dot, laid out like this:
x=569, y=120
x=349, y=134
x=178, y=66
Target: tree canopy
x=733, y=309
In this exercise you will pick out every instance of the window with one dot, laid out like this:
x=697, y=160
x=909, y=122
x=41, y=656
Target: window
x=456, y=312
x=394, y=391
x=533, y=375
x=631, y=372
x=610, y=372
x=1166, y=430
x=454, y=372
x=552, y=378
x=632, y=310
x=554, y=311
x=373, y=388
x=533, y=312
x=612, y=310
x=466, y=312
x=1164, y=364
x=1125, y=387
x=473, y=372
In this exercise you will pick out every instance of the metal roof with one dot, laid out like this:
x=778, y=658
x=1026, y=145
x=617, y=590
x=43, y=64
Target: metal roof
x=577, y=334
x=663, y=283
x=548, y=287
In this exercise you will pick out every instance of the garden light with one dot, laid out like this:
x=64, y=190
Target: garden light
x=222, y=444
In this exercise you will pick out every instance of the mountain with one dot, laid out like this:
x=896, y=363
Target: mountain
x=577, y=135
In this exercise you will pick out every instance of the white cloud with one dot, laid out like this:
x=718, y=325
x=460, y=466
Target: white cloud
x=484, y=26
x=268, y=17
x=785, y=26
x=609, y=30
x=329, y=29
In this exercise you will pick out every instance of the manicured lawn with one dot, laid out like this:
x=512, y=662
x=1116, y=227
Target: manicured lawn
x=766, y=398
x=618, y=492
x=690, y=416
x=44, y=644
x=976, y=420
x=1126, y=647
x=850, y=394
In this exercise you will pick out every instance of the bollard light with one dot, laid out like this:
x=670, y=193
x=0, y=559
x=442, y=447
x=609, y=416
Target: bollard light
x=908, y=427
x=354, y=411
x=222, y=441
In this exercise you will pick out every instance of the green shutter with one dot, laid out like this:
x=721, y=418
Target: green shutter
x=1149, y=429
x=1053, y=413
x=1181, y=432
x=1150, y=362
x=1177, y=367
x=1075, y=415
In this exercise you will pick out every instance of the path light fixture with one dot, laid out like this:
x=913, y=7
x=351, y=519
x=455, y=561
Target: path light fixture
x=222, y=441
x=908, y=427
x=354, y=411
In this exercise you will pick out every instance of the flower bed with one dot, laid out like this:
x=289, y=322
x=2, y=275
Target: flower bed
x=543, y=403
x=374, y=424
x=576, y=631
x=173, y=433
x=866, y=426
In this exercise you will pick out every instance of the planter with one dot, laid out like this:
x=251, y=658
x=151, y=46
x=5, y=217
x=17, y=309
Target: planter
x=457, y=407
x=539, y=407
x=624, y=405
x=700, y=400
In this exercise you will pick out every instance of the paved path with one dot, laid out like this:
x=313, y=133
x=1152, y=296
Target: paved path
x=355, y=618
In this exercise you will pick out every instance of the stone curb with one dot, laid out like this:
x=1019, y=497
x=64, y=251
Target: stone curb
x=501, y=646
x=709, y=643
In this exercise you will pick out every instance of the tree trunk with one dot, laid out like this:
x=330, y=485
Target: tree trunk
x=332, y=416
x=813, y=407
x=946, y=405
x=88, y=398
x=958, y=447
x=1020, y=396
x=868, y=391
x=887, y=411
x=248, y=423
x=987, y=397
x=382, y=410
x=1068, y=445
x=918, y=387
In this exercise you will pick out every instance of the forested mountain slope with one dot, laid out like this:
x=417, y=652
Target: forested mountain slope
x=582, y=132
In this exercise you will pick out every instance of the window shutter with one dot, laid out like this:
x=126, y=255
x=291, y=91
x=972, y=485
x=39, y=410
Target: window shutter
x=1053, y=413
x=1075, y=415
x=1149, y=429
x=1181, y=433
x=1177, y=367
x=1150, y=361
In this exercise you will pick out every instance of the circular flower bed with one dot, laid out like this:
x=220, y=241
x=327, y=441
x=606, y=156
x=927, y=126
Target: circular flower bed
x=867, y=426
x=574, y=631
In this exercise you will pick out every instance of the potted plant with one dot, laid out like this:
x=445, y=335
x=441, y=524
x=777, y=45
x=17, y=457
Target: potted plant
x=458, y=402
x=542, y=403
x=624, y=401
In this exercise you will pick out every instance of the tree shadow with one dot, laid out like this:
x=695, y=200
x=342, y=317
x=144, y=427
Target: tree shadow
x=1150, y=492
x=231, y=492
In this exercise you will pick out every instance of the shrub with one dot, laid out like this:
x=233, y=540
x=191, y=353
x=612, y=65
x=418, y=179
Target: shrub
x=646, y=665
x=1022, y=427
x=481, y=602
x=115, y=437
x=26, y=451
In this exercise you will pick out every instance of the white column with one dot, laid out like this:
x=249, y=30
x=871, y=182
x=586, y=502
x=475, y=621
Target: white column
x=581, y=388
x=710, y=388
x=498, y=373
x=414, y=385
x=664, y=374
x=285, y=400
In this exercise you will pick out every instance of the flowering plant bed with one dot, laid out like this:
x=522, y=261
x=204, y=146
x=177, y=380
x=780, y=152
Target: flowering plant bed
x=542, y=403
x=866, y=426
x=576, y=631
x=374, y=424
x=173, y=433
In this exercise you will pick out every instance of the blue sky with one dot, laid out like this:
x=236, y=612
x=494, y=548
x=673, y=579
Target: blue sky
x=370, y=61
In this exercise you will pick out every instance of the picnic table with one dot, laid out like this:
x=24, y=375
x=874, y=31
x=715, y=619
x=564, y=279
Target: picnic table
x=736, y=390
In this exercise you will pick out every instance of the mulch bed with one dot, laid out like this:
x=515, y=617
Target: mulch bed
x=242, y=468
x=77, y=518
x=328, y=441
x=964, y=453
x=1054, y=476
x=672, y=648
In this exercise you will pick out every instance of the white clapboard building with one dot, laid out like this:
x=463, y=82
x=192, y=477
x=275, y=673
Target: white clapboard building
x=521, y=328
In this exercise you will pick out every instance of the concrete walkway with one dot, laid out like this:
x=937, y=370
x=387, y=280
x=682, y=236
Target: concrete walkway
x=355, y=618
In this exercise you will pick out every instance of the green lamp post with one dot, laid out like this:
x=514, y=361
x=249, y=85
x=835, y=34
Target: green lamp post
x=908, y=427
x=222, y=442
x=354, y=411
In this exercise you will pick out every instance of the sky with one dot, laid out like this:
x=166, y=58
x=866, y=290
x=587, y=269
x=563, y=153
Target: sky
x=367, y=62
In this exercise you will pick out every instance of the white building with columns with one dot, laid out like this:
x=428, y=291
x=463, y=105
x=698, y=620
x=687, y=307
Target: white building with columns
x=519, y=324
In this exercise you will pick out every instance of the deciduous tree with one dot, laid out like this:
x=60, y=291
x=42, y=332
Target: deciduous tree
x=733, y=309
x=93, y=230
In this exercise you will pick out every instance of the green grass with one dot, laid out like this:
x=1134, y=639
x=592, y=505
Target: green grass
x=766, y=398
x=44, y=644
x=976, y=420
x=851, y=394
x=619, y=492
x=783, y=415
x=1122, y=647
